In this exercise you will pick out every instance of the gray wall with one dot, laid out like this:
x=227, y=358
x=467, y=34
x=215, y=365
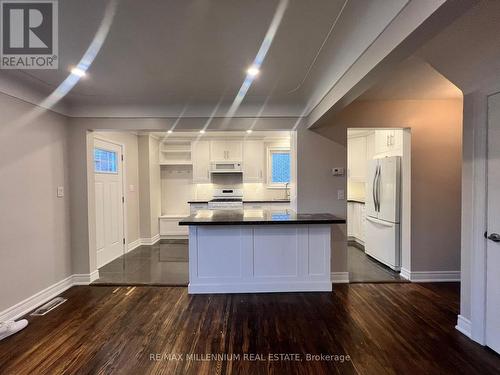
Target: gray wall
x=436, y=127
x=317, y=187
x=34, y=222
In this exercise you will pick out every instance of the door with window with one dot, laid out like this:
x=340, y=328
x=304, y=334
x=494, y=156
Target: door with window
x=493, y=230
x=109, y=201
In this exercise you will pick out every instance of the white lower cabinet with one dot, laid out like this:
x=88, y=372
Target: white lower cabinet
x=272, y=206
x=356, y=221
x=169, y=226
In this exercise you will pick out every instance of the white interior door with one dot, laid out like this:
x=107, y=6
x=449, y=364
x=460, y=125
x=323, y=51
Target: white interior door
x=108, y=175
x=493, y=230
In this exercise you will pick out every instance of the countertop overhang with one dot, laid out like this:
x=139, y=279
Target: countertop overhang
x=246, y=201
x=257, y=217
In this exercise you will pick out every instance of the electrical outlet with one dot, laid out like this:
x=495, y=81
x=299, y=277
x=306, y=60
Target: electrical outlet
x=340, y=194
x=60, y=191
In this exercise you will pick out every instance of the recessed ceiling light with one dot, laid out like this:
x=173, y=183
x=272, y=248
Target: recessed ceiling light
x=249, y=131
x=202, y=131
x=253, y=71
x=78, y=72
x=170, y=131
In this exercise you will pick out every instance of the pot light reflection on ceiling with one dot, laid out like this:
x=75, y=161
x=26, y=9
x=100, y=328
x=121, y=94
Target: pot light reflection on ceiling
x=79, y=72
x=254, y=69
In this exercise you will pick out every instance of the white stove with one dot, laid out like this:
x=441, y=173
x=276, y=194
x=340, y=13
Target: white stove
x=226, y=199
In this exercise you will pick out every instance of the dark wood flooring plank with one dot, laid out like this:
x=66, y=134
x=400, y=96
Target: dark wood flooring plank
x=384, y=328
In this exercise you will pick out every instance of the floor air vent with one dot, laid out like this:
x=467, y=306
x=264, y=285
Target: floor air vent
x=51, y=305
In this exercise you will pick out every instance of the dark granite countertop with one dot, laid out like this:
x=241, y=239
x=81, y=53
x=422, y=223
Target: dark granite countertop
x=268, y=201
x=247, y=201
x=258, y=217
x=356, y=201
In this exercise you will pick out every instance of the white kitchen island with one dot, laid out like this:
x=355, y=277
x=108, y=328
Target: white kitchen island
x=248, y=251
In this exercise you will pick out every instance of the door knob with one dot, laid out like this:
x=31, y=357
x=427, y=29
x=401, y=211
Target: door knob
x=495, y=237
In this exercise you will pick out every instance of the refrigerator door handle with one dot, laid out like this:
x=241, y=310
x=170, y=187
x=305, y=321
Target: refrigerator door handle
x=381, y=222
x=378, y=187
x=373, y=188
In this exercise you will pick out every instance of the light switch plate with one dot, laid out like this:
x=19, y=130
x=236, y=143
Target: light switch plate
x=131, y=188
x=340, y=194
x=60, y=191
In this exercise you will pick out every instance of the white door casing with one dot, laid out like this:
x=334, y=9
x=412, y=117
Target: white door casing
x=492, y=330
x=109, y=208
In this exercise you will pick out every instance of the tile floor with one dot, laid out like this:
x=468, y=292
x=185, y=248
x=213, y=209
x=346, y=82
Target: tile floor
x=165, y=263
x=363, y=268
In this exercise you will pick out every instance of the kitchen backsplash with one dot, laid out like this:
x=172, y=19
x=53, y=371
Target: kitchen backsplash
x=251, y=191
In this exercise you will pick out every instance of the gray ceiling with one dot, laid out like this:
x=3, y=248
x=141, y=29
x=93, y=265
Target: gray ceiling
x=164, y=56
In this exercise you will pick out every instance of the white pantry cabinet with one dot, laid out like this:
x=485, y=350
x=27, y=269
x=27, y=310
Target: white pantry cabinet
x=356, y=159
x=200, y=155
x=221, y=150
x=253, y=161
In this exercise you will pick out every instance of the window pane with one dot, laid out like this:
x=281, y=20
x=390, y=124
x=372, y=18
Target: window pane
x=105, y=161
x=281, y=167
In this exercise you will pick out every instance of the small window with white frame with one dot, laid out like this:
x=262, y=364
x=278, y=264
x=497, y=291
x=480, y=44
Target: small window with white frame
x=105, y=161
x=278, y=167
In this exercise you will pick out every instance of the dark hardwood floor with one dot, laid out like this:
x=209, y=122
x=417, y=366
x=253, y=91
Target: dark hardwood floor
x=363, y=268
x=383, y=328
x=164, y=263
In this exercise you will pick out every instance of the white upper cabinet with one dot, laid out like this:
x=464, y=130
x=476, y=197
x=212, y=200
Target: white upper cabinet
x=253, y=161
x=356, y=159
x=200, y=154
x=226, y=150
x=388, y=142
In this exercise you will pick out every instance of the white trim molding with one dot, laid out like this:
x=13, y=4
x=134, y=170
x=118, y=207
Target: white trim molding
x=339, y=277
x=430, y=276
x=150, y=241
x=464, y=325
x=29, y=304
x=85, y=278
x=134, y=245
x=405, y=274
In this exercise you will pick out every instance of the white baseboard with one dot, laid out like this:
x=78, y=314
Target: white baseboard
x=37, y=299
x=430, y=276
x=340, y=277
x=357, y=240
x=174, y=237
x=150, y=241
x=405, y=274
x=85, y=278
x=270, y=287
x=134, y=245
x=464, y=325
